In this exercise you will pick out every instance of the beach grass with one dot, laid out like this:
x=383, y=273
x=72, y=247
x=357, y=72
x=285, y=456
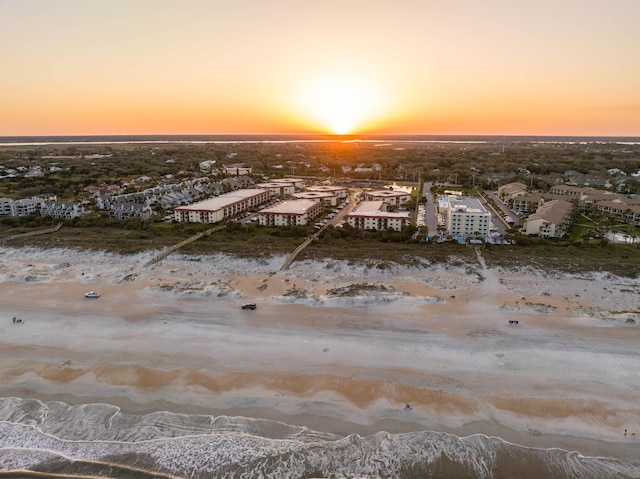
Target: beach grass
x=253, y=241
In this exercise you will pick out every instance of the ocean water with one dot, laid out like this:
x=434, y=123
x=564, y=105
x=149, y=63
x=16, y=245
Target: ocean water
x=100, y=441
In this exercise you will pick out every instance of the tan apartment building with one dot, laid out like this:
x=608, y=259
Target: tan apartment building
x=221, y=207
x=510, y=191
x=550, y=220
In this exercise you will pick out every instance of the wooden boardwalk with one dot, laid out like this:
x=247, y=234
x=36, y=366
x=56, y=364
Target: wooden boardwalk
x=307, y=242
x=32, y=233
x=171, y=249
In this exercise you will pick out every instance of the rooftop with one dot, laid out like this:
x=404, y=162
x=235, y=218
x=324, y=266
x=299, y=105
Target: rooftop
x=218, y=202
x=291, y=207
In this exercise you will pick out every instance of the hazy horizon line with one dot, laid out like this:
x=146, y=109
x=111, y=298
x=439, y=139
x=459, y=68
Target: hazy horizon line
x=313, y=136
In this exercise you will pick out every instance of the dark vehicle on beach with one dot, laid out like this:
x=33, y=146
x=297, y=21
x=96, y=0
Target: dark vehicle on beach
x=249, y=306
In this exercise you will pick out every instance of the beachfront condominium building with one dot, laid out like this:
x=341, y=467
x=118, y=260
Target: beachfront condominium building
x=221, y=207
x=465, y=216
x=290, y=213
x=372, y=215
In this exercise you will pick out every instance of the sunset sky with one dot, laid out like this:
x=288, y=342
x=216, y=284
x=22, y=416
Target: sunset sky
x=505, y=67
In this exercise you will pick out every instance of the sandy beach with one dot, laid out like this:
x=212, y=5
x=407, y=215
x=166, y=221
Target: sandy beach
x=336, y=347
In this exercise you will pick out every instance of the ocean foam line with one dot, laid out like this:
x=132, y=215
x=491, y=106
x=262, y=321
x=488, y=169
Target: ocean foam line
x=381, y=454
x=110, y=465
x=211, y=434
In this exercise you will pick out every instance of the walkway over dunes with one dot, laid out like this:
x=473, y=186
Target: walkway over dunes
x=171, y=249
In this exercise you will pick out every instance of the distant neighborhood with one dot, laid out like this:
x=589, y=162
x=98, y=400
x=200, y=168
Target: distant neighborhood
x=289, y=202
x=235, y=192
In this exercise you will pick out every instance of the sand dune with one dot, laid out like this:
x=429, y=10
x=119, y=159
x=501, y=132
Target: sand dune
x=335, y=346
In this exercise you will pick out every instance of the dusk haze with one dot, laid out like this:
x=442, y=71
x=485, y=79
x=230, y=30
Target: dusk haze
x=491, y=67
x=320, y=239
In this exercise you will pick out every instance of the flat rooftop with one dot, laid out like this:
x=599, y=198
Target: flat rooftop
x=219, y=202
x=276, y=184
x=387, y=193
x=290, y=207
x=469, y=204
x=369, y=207
x=326, y=188
x=308, y=195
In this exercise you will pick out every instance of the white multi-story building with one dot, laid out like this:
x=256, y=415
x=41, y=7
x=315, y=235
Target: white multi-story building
x=221, y=207
x=465, y=216
x=290, y=213
x=372, y=215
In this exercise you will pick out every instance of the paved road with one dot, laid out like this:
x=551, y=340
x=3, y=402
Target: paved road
x=505, y=209
x=430, y=210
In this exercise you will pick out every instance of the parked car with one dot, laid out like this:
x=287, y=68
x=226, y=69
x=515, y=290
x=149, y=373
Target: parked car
x=249, y=306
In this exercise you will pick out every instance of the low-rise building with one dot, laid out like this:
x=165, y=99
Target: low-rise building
x=63, y=210
x=569, y=190
x=5, y=206
x=550, y=220
x=530, y=202
x=290, y=213
x=22, y=207
x=372, y=215
x=130, y=210
x=237, y=169
x=628, y=212
x=219, y=208
x=510, y=191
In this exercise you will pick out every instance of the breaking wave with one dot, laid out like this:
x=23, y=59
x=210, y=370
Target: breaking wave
x=99, y=440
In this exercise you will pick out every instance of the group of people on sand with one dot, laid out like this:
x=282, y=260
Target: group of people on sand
x=17, y=320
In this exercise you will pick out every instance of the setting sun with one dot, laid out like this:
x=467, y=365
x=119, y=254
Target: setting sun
x=341, y=103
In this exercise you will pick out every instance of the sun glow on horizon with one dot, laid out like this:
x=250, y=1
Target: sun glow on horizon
x=341, y=103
